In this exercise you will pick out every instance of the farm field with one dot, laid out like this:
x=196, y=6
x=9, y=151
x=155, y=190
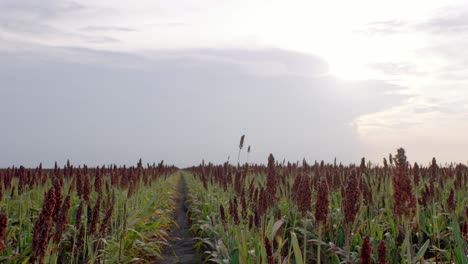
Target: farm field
x=86, y=215
x=281, y=212
x=121, y=119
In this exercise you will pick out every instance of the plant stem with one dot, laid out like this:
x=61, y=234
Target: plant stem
x=347, y=243
x=408, y=243
x=318, y=246
x=305, y=241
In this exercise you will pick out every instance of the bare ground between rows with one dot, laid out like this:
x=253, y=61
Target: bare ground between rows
x=181, y=250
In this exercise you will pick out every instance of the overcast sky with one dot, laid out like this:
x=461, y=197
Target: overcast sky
x=111, y=81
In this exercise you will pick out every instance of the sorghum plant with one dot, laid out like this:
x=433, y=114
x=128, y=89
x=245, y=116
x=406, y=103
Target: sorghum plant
x=3, y=228
x=43, y=227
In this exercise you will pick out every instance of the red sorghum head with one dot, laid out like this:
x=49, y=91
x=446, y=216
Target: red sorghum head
x=451, y=201
x=366, y=251
x=43, y=227
x=404, y=198
x=269, y=250
x=351, y=200
x=3, y=228
x=382, y=252
x=322, y=203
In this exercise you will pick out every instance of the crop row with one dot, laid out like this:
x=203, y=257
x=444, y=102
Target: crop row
x=330, y=213
x=85, y=215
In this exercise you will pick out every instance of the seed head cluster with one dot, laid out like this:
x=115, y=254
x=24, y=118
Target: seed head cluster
x=403, y=196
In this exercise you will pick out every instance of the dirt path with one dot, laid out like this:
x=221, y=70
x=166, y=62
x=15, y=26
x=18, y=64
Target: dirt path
x=181, y=250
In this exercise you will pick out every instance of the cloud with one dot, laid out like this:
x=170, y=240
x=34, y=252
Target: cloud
x=35, y=21
x=21, y=27
x=107, y=28
x=35, y=10
x=176, y=24
x=395, y=69
x=30, y=17
x=41, y=31
x=418, y=110
x=385, y=27
x=426, y=129
x=180, y=106
x=452, y=62
x=100, y=39
x=449, y=49
x=449, y=22
x=254, y=61
x=453, y=23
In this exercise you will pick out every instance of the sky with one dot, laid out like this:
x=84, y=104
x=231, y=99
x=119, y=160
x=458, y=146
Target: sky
x=114, y=81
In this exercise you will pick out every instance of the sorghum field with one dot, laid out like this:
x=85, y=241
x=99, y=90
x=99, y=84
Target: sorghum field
x=85, y=215
x=398, y=212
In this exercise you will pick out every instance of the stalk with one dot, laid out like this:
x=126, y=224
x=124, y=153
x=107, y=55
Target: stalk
x=318, y=246
x=123, y=230
x=305, y=244
x=408, y=243
x=347, y=243
x=293, y=228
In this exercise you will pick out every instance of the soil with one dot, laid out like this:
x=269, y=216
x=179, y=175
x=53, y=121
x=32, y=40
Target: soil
x=181, y=250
